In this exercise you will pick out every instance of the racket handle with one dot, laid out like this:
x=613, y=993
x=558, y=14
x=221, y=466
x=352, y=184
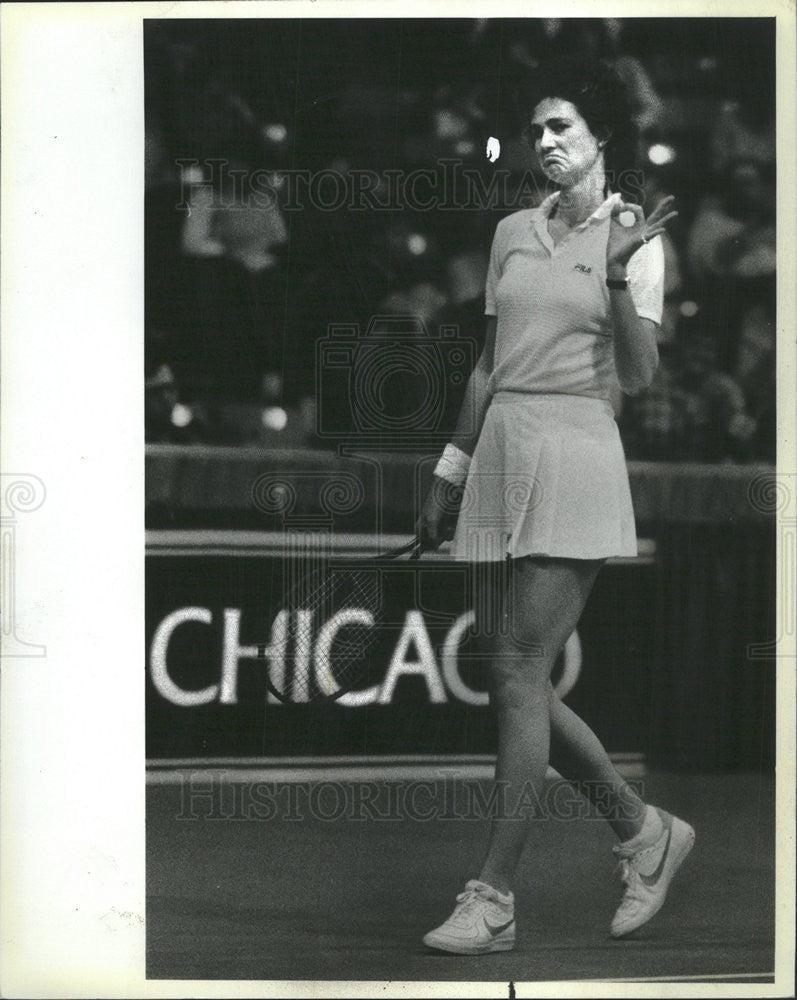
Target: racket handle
x=414, y=548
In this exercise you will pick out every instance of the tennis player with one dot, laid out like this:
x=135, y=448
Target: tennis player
x=574, y=296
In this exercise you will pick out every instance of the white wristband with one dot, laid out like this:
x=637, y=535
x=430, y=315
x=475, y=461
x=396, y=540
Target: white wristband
x=453, y=465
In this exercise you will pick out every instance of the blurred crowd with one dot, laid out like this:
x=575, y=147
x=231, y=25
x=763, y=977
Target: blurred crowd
x=263, y=294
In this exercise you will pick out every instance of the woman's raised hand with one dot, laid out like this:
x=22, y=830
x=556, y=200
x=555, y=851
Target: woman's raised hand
x=625, y=240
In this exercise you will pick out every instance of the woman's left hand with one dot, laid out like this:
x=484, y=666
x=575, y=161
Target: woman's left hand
x=624, y=241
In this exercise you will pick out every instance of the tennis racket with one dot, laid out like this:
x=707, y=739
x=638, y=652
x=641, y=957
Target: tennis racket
x=325, y=629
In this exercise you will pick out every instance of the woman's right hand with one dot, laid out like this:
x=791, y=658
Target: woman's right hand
x=438, y=520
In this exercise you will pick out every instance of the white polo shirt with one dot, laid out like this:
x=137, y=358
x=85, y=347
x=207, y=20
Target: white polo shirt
x=554, y=330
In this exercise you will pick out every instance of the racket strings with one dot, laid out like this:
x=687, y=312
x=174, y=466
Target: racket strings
x=331, y=618
x=318, y=598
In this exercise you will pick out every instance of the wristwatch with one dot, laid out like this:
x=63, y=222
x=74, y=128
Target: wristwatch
x=620, y=284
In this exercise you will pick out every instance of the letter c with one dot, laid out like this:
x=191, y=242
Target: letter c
x=160, y=674
x=452, y=676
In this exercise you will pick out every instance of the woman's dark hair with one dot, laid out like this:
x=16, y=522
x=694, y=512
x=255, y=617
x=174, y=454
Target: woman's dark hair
x=595, y=89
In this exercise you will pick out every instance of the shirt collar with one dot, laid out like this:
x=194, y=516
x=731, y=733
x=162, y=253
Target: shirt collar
x=546, y=207
x=601, y=212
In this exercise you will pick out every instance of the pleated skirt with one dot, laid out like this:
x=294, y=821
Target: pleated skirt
x=548, y=478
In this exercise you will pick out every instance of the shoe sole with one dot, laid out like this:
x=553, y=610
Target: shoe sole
x=677, y=855
x=456, y=949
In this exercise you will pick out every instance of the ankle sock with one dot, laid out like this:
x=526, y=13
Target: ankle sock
x=503, y=897
x=651, y=830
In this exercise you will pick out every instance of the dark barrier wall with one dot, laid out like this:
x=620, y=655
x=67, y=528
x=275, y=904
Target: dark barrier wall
x=676, y=661
x=206, y=691
x=265, y=489
x=713, y=700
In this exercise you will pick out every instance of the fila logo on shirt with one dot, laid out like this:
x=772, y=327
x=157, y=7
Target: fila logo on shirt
x=583, y=268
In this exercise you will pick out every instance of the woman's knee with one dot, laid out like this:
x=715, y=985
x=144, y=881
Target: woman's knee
x=518, y=682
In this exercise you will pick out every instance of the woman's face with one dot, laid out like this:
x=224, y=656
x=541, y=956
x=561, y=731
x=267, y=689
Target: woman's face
x=566, y=148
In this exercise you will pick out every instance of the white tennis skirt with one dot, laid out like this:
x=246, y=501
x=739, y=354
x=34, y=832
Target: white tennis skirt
x=548, y=478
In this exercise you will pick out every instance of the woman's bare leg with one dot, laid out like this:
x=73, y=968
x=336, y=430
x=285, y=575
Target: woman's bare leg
x=579, y=756
x=542, y=603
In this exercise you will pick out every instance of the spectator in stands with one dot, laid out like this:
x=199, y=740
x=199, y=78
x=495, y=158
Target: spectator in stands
x=464, y=311
x=734, y=233
x=166, y=419
x=249, y=229
x=406, y=387
x=732, y=253
x=755, y=373
x=231, y=288
x=691, y=411
x=160, y=401
x=744, y=128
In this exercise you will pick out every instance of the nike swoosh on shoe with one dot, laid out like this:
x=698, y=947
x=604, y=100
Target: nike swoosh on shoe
x=493, y=931
x=653, y=878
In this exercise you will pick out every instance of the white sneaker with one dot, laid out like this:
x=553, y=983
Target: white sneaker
x=648, y=871
x=482, y=921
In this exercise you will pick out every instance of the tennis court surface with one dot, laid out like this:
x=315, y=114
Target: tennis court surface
x=266, y=898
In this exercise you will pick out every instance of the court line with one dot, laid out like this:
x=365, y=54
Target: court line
x=627, y=758
x=264, y=770
x=707, y=977
x=295, y=775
